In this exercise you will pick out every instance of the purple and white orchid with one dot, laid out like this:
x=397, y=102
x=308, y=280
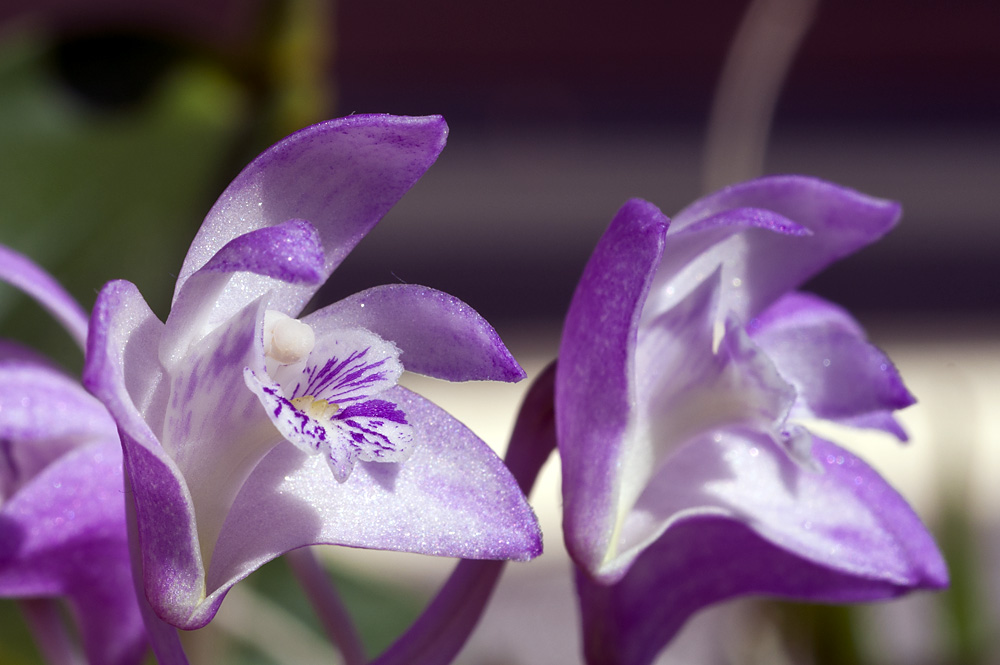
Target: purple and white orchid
x=688, y=372
x=249, y=432
x=62, y=507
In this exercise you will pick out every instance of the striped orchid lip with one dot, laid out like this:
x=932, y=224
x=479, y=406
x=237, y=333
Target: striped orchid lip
x=325, y=399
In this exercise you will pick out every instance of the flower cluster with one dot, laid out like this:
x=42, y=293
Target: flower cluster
x=688, y=375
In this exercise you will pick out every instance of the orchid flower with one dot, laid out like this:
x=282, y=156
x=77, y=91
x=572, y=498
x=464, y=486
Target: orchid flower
x=62, y=507
x=249, y=432
x=689, y=372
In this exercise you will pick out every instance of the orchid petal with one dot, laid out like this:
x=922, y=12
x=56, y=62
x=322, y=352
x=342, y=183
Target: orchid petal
x=839, y=221
x=685, y=390
x=345, y=366
x=25, y=274
x=822, y=351
x=876, y=548
x=342, y=176
x=43, y=415
x=595, y=376
x=439, y=633
x=52, y=530
x=453, y=497
x=124, y=331
x=438, y=334
x=289, y=252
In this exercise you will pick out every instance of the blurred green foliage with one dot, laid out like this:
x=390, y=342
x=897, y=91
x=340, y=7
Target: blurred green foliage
x=95, y=194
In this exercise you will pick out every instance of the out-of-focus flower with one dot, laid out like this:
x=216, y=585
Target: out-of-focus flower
x=249, y=433
x=686, y=371
x=62, y=507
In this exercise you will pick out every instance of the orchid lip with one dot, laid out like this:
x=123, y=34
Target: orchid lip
x=328, y=401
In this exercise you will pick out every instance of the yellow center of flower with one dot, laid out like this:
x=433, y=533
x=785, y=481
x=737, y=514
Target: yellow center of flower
x=317, y=409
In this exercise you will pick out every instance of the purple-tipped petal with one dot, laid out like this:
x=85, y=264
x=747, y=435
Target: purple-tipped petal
x=342, y=176
x=438, y=334
x=453, y=497
x=595, y=389
x=123, y=331
x=760, y=265
x=68, y=517
x=289, y=252
x=25, y=274
x=704, y=559
x=822, y=351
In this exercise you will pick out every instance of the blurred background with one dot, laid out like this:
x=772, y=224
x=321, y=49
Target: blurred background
x=120, y=122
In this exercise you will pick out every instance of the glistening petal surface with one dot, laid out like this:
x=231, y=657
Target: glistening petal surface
x=453, y=497
x=438, y=334
x=342, y=176
x=288, y=252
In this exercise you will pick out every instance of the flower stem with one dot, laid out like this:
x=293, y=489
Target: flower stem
x=437, y=636
x=46, y=624
x=758, y=60
x=329, y=608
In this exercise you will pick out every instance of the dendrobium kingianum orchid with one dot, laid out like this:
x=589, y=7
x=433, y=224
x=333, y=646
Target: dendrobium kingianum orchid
x=688, y=372
x=249, y=432
x=62, y=507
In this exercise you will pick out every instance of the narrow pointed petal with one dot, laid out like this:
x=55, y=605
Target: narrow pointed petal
x=839, y=221
x=342, y=176
x=453, y=497
x=823, y=352
x=877, y=549
x=595, y=389
x=438, y=334
x=124, y=330
x=289, y=252
x=25, y=274
x=53, y=530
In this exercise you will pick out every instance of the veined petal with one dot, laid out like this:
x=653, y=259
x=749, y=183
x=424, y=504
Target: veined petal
x=823, y=352
x=342, y=175
x=63, y=534
x=453, y=497
x=839, y=220
x=124, y=332
x=437, y=334
x=595, y=377
x=860, y=542
x=345, y=366
x=25, y=274
x=289, y=252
